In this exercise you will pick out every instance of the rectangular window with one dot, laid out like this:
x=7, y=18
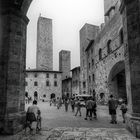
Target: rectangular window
x=84, y=84
x=47, y=83
x=91, y=50
x=47, y=75
x=83, y=63
x=92, y=62
x=93, y=77
x=55, y=75
x=35, y=84
x=55, y=83
x=89, y=65
x=89, y=79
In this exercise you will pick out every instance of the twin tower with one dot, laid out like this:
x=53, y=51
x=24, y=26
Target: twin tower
x=44, y=57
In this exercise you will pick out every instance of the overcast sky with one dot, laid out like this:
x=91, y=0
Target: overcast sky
x=68, y=18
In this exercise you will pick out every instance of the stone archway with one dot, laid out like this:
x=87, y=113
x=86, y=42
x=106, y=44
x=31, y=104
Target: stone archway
x=13, y=26
x=52, y=96
x=117, y=81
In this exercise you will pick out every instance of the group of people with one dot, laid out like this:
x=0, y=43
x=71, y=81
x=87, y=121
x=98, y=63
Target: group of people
x=113, y=105
x=91, y=108
x=34, y=113
x=90, y=105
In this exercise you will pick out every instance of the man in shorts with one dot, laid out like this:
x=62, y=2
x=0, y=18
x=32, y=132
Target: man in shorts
x=33, y=114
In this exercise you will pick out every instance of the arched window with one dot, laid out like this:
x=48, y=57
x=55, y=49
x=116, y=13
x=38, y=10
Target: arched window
x=100, y=54
x=121, y=37
x=109, y=47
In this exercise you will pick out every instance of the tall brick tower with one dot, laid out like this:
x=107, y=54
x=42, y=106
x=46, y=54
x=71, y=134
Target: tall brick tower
x=44, y=57
x=64, y=63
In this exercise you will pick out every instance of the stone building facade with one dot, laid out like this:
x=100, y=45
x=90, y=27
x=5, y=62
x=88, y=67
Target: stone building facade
x=105, y=56
x=87, y=33
x=65, y=63
x=67, y=88
x=42, y=83
x=76, y=83
x=90, y=60
x=112, y=57
x=44, y=54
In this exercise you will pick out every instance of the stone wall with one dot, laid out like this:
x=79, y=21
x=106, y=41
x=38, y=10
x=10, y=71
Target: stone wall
x=109, y=3
x=44, y=58
x=65, y=63
x=13, y=25
x=87, y=33
x=67, y=88
x=76, y=81
x=103, y=67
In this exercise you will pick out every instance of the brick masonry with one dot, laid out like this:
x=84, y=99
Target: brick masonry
x=115, y=51
x=76, y=81
x=131, y=22
x=87, y=33
x=44, y=57
x=67, y=87
x=65, y=63
x=12, y=64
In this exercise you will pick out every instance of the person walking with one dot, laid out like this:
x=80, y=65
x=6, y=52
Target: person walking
x=94, y=108
x=72, y=104
x=78, y=106
x=123, y=108
x=66, y=103
x=112, y=104
x=89, y=106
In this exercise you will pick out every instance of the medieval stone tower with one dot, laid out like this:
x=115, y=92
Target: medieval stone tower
x=44, y=57
x=87, y=33
x=64, y=63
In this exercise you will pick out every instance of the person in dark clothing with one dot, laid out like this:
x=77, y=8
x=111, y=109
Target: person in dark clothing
x=94, y=108
x=89, y=107
x=72, y=104
x=112, y=104
x=66, y=103
x=78, y=105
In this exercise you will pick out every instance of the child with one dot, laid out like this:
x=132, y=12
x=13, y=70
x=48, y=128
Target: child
x=124, y=110
x=38, y=125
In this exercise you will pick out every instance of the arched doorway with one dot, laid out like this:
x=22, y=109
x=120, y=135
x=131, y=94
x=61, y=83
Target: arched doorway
x=117, y=81
x=52, y=96
x=26, y=94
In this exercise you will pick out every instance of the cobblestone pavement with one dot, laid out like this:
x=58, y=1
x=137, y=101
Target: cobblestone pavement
x=68, y=133
x=61, y=125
